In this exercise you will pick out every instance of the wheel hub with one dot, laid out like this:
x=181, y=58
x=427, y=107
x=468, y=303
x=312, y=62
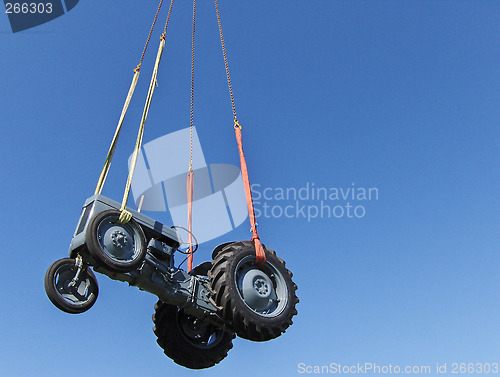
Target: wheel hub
x=257, y=289
x=193, y=327
x=261, y=287
x=72, y=293
x=117, y=241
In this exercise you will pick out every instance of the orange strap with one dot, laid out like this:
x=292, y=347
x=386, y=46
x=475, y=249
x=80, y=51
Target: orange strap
x=190, y=180
x=189, y=188
x=260, y=255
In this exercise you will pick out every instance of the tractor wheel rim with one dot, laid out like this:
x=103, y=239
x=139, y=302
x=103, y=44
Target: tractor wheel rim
x=80, y=294
x=261, y=289
x=197, y=332
x=119, y=242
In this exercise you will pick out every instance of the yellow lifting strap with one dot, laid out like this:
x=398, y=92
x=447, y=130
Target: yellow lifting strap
x=125, y=215
x=137, y=71
x=109, y=157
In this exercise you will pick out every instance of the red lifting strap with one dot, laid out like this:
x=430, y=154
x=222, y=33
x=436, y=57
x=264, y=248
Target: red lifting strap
x=260, y=255
x=189, y=187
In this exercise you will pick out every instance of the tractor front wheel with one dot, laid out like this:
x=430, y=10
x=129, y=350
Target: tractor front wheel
x=117, y=247
x=71, y=292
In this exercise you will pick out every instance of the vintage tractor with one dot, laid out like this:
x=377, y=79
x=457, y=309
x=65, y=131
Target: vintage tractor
x=198, y=313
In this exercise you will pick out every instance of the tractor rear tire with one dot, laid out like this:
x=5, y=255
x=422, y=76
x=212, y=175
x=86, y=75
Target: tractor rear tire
x=190, y=342
x=257, y=302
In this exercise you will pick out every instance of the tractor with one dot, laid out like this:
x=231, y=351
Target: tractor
x=199, y=312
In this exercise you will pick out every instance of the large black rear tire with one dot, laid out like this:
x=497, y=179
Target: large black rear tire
x=188, y=341
x=259, y=303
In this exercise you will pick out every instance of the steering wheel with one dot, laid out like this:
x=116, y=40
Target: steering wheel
x=185, y=249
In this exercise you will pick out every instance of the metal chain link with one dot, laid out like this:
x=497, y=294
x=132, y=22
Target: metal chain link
x=236, y=124
x=168, y=19
x=138, y=68
x=192, y=93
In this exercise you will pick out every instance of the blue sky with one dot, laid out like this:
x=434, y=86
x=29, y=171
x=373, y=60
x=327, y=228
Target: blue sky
x=399, y=96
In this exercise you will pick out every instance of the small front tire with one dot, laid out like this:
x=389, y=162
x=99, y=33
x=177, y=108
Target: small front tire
x=117, y=247
x=70, y=296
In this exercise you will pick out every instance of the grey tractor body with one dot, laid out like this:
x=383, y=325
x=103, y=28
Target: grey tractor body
x=157, y=274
